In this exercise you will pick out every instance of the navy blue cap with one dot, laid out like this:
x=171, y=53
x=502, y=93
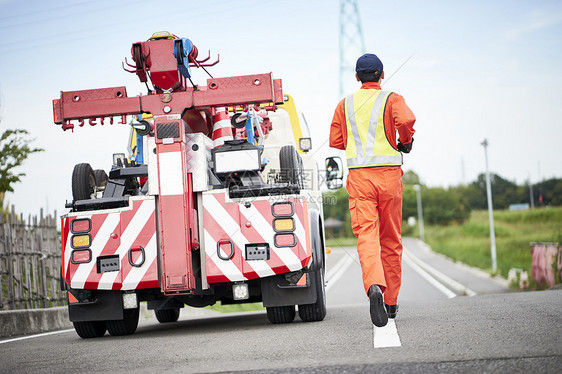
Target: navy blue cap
x=368, y=61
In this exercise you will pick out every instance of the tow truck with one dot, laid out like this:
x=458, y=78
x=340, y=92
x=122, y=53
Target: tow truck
x=220, y=203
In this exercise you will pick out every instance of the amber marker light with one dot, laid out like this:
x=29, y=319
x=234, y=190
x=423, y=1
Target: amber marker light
x=80, y=241
x=284, y=224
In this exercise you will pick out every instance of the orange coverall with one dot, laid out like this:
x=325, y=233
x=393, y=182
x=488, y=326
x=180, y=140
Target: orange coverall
x=375, y=200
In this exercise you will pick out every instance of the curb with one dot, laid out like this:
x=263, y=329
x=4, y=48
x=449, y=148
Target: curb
x=33, y=321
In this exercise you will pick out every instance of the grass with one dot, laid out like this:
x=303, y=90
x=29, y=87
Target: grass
x=235, y=308
x=341, y=242
x=515, y=230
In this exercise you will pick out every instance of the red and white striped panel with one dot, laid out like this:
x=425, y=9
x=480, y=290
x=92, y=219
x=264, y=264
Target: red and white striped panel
x=224, y=219
x=115, y=232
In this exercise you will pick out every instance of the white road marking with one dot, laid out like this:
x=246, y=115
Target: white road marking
x=35, y=336
x=450, y=294
x=338, y=270
x=386, y=336
x=442, y=278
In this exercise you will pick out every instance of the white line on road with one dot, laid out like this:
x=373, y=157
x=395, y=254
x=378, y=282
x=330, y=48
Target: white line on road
x=442, y=278
x=35, y=336
x=387, y=336
x=338, y=270
x=450, y=294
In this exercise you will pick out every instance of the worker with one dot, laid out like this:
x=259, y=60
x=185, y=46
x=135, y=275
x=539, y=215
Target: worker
x=365, y=126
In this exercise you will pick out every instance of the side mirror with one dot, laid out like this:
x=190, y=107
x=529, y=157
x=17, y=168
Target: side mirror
x=334, y=173
x=119, y=160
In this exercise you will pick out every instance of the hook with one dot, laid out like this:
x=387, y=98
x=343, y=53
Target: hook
x=127, y=70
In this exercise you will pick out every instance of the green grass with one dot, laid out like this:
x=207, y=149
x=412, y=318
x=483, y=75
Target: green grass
x=235, y=308
x=515, y=230
x=341, y=242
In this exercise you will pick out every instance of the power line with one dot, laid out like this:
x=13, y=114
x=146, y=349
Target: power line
x=107, y=30
x=63, y=16
x=12, y=16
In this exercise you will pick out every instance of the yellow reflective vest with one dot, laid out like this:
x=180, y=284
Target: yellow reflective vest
x=367, y=145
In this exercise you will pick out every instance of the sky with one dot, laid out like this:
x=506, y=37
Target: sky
x=468, y=70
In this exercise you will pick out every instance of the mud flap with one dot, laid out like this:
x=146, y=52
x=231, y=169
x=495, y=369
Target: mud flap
x=106, y=306
x=275, y=293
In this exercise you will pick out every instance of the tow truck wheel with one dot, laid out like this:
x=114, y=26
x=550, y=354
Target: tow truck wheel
x=89, y=329
x=291, y=166
x=101, y=178
x=83, y=182
x=281, y=314
x=125, y=326
x=167, y=315
x=317, y=311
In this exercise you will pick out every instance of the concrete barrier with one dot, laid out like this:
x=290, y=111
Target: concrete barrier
x=33, y=321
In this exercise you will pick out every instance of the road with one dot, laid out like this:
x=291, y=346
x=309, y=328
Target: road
x=437, y=330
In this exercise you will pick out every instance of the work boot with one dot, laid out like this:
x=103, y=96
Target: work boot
x=377, y=309
x=391, y=310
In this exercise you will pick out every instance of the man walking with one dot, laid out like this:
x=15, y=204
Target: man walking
x=365, y=125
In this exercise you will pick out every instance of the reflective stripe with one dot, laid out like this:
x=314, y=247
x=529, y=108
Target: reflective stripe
x=374, y=161
x=367, y=147
x=373, y=122
x=353, y=122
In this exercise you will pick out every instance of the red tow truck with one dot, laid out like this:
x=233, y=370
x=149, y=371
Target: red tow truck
x=222, y=205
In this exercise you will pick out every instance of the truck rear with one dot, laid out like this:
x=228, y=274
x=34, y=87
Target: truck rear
x=211, y=206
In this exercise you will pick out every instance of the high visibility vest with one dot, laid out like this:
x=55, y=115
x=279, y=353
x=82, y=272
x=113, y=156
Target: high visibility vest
x=367, y=145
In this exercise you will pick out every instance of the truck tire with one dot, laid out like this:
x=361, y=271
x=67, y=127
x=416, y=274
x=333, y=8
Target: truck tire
x=83, y=182
x=281, y=314
x=89, y=329
x=291, y=166
x=167, y=315
x=125, y=326
x=101, y=178
x=317, y=311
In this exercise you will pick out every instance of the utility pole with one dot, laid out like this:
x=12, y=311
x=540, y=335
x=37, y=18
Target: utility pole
x=490, y=209
x=352, y=45
x=462, y=170
x=417, y=188
x=531, y=197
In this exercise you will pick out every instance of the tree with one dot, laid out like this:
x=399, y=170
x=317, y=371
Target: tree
x=14, y=150
x=504, y=192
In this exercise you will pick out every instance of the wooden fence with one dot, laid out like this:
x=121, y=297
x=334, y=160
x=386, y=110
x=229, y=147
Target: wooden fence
x=30, y=262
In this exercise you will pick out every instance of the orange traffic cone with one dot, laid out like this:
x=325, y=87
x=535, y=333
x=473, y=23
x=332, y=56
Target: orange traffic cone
x=222, y=129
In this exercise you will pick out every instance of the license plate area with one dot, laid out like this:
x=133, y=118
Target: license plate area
x=257, y=252
x=108, y=263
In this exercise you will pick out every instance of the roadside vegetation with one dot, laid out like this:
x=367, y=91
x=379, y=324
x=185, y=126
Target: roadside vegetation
x=469, y=242
x=515, y=230
x=456, y=220
x=235, y=308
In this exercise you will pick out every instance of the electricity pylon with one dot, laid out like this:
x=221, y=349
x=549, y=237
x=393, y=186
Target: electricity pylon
x=351, y=41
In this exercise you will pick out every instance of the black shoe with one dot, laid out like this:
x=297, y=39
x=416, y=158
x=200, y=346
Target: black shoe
x=391, y=310
x=378, y=312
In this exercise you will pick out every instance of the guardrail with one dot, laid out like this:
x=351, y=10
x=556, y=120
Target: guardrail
x=30, y=262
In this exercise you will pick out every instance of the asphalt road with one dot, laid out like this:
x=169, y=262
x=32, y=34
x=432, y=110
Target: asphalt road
x=438, y=331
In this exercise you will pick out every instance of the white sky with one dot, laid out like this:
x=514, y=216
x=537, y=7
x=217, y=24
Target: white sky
x=481, y=69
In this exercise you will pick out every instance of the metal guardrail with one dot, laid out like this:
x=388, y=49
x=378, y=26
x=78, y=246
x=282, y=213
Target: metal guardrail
x=30, y=262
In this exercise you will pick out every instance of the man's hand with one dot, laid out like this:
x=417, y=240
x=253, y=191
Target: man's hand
x=405, y=148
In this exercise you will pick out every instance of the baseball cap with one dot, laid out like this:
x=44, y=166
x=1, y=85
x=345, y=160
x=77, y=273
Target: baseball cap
x=367, y=62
